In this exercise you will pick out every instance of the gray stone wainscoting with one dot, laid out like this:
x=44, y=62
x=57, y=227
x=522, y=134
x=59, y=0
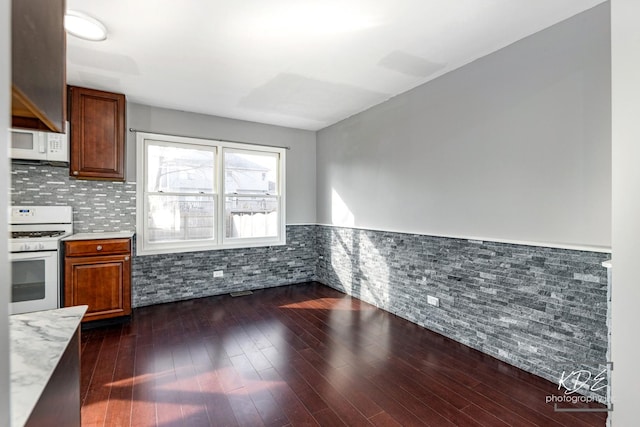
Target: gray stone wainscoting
x=541, y=309
x=173, y=277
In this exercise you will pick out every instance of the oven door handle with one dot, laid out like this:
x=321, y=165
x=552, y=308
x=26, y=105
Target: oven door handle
x=24, y=256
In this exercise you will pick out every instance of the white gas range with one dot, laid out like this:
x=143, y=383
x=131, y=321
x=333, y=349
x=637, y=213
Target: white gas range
x=34, y=248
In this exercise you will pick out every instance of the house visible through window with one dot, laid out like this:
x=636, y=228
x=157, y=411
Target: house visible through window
x=251, y=199
x=196, y=194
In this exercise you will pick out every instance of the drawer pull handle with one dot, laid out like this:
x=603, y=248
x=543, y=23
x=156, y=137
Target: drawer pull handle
x=126, y=258
x=75, y=172
x=99, y=248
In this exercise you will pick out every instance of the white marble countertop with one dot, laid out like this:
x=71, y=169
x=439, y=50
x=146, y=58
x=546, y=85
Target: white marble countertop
x=102, y=235
x=37, y=342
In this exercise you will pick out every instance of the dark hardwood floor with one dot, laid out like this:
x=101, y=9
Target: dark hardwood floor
x=299, y=355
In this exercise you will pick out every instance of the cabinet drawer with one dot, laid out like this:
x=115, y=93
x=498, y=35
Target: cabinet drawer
x=97, y=247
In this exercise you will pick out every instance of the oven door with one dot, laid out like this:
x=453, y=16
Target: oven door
x=34, y=281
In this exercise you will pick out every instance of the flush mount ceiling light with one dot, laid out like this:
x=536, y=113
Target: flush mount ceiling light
x=84, y=26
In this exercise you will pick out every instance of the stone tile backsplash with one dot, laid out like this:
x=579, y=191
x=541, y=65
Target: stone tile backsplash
x=97, y=205
x=541, y=309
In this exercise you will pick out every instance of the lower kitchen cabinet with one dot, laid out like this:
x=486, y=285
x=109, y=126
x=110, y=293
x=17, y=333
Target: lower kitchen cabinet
x=45, y=371
x=60, y=401
x=98, y=274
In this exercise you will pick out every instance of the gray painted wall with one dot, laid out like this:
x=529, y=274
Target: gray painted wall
x=5, y=83
x=301, y=163
x=625, y=346
x=514, y=146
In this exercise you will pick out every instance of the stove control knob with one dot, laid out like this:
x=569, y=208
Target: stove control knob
x=25, y=247
x=40, y=246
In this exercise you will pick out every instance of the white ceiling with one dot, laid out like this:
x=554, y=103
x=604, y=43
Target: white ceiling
x=298, y=63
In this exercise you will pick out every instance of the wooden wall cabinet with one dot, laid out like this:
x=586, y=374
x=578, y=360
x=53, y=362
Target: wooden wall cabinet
x=98, y=274
x=97, y=138
x=38, y=64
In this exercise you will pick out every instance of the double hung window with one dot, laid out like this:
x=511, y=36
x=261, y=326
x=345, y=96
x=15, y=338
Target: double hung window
x=196, y=194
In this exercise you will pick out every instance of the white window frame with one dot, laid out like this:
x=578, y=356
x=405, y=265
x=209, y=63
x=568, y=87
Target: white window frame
x=220, y=241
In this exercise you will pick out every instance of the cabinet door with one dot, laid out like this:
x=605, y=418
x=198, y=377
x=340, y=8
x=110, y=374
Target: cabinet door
x=103, y=283
x=97, y=141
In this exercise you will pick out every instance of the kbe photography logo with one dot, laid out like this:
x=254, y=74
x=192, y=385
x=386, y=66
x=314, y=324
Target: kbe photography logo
x=579, y=388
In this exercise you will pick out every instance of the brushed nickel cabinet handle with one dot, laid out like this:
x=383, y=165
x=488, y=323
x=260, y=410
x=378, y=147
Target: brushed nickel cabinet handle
x=99, y=248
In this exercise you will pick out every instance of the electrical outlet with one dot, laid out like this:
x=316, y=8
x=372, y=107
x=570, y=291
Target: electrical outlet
x=218, y=273
x=433, y=301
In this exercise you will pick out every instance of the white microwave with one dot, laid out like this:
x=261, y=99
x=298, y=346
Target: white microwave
x=38, y=146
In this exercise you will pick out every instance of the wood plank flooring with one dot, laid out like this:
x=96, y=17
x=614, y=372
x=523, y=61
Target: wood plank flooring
x=301, y=355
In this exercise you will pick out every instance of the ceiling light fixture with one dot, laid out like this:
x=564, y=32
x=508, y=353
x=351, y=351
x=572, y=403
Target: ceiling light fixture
x=84, y=26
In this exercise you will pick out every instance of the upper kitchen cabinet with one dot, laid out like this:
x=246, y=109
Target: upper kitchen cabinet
x=38, y=60
x=97, y=141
